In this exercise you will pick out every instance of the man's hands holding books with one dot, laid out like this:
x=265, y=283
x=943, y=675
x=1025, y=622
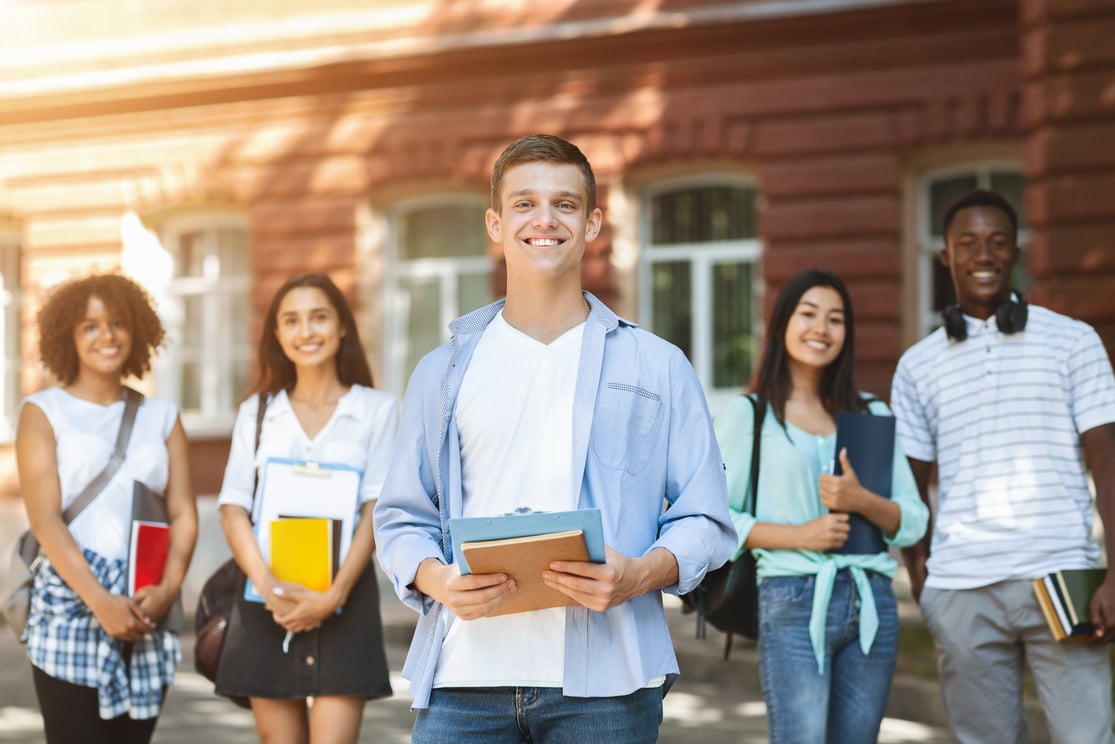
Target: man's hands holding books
x=597, y=586
x=469, y=596
x=601, y=586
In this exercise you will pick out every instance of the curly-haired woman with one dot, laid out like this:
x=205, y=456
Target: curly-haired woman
x=101, y=665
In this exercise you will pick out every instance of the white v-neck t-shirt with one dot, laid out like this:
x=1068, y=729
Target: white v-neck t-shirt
x=515, y=419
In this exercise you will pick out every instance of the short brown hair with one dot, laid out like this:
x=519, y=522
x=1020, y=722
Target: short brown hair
x=65, y=307
x=545, y=148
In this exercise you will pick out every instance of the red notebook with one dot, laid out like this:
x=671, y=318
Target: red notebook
x=147, y=554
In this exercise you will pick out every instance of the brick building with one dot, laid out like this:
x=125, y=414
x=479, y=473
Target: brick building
x=212, y=149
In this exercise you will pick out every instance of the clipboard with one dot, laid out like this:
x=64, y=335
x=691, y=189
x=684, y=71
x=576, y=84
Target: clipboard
x=478, y=529
x=297, y=488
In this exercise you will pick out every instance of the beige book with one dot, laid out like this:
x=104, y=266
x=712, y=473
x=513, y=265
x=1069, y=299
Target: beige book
x=524, y=559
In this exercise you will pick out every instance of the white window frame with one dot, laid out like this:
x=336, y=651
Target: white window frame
x=445, y=271
x=702, y=258
x=930, y=243
x=10, y=327
x=218, y=366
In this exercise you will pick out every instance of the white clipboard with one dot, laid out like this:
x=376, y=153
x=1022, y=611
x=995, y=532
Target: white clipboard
x=296, y=488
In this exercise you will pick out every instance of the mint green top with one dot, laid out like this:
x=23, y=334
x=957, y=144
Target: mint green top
x=789, y=477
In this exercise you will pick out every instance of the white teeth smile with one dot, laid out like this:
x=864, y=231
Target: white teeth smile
x=817, y=345
x=544, y=242
x=984, y=274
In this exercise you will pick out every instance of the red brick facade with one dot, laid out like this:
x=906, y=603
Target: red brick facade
x=1068, y=65
x=833, y=114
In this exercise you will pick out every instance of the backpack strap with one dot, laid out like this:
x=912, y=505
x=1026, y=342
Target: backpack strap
x=756, y=447
x=753, y=483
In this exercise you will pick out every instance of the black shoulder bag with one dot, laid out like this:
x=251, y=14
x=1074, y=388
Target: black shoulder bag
x=728, y=596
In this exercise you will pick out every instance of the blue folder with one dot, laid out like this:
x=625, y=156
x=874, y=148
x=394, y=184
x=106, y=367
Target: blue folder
x=476, y=529
x=869, y=440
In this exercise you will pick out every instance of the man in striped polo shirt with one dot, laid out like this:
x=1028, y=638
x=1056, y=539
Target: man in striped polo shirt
x=1006, y=398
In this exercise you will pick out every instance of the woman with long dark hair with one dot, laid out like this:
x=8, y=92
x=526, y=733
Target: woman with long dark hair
x=320, y=407
x=828, y=622
x=101, y=659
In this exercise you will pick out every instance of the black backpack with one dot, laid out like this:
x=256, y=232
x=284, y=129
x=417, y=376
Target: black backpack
x=728, y=596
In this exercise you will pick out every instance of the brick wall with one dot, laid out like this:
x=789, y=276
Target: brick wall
x=826, y=110
x=1068, y=62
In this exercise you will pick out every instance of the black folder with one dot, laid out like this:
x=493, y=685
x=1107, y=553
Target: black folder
x=869, y=440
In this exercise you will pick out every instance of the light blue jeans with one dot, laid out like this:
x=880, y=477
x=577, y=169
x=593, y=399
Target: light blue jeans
x=542, y=715
x=844, y=704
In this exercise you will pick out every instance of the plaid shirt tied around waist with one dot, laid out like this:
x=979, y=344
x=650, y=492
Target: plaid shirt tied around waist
x=65, y=640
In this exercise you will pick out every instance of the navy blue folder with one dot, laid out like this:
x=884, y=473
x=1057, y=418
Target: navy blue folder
x=869, y=440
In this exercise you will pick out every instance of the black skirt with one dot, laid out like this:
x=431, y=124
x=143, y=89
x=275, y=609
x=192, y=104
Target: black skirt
x=344, y=657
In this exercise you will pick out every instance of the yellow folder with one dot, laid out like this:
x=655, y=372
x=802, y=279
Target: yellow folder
x=302, y=551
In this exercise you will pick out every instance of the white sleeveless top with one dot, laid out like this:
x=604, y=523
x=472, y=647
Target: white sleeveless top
x=85, y=433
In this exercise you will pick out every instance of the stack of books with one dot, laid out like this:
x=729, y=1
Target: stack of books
x=305, y=550
x=1065, y=598
x=305, y=516
x=522, y=545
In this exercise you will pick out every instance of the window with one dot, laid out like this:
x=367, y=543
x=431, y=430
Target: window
x=10, y=327
x=699, y=278
x=439, y=270
x=207, y=312
x=936, y=190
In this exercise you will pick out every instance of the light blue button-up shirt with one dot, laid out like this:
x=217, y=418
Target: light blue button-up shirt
x=792, y=462
x=644, y=453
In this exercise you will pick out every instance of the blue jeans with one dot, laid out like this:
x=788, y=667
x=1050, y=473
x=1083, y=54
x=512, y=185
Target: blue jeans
x=845, y=703
x=524, y=715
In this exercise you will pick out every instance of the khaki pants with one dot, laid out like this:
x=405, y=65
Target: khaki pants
x=983, y=637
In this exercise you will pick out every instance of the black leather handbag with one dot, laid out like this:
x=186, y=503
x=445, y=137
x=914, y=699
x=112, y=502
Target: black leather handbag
x=218, y=596
x=214, y=606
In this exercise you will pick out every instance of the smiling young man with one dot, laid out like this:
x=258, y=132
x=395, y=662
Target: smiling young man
x=550, y=401
x=1005, y=398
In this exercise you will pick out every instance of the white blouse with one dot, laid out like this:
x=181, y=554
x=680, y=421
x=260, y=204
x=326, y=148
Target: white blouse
x=85, y=433
x=360, y=434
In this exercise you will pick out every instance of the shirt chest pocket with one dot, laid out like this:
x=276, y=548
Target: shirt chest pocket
x=625, y=430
